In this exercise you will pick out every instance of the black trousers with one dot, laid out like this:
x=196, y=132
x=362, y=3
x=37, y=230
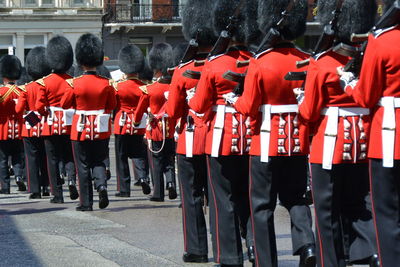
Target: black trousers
x=385, y=191
x=228, y=190
x=192, y=174
x=35, y=162
x=130, y=146
x=58, y=148
x=15, y=150
x=163, y=163
x=286, y=178
x=341, y=194
x=89, y=159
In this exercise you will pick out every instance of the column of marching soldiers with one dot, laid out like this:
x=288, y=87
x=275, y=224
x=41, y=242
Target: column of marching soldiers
x=244, y=107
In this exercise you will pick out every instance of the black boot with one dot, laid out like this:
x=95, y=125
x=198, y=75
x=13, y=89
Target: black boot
x=5, y=191
x=188, y=257
x=307, y=256
x=20, y=183
x=145, y=186
x=251, y=254
x=45, y=191
x=35, y=196
x=374, y=261
x=103, y=197
x=123, y=194
x=73, y=192
x=57, y=199
x=171, y=191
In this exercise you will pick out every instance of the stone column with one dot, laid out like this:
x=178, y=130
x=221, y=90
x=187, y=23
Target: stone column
x=20, y=47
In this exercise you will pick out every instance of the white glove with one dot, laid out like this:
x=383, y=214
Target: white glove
x=346, y=78
x=166, y=94
x=299, y=93
x=190, y=94
x=230, y=98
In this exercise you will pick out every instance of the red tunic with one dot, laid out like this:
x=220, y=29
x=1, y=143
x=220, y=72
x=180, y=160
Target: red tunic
x=380, y=78
x=323, y=90
x=53, y=89
x=178, y=108
x=90, y=94
x=236, y=135
x=128, y=96
x=10, y=121
x=26, y=103
x=153, y=97
x=265, y=84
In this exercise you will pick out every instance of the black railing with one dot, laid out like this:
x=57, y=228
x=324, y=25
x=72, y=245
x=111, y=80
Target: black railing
x=141, y=13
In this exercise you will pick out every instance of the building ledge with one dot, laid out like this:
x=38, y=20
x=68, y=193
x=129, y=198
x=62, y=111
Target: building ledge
x=127, y=27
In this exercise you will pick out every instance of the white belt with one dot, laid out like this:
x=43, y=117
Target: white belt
x=389, y=105
x=219, y=127
x=197, y=114
x=89, y=112
x=67, y=115
x=265, y=131
x=331, y=130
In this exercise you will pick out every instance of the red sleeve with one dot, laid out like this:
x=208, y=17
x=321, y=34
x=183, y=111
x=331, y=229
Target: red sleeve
x=314, y=98
x=20, y=107
x=41, y=101
x=177, y=96
x=68, y=99
x=205, y=90
x=111, y=100
x=141, y=108
x=369, y=88
x=250, y=101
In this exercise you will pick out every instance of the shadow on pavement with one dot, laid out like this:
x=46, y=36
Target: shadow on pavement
x=14, y=249
x=29, y=211
x=143, y=207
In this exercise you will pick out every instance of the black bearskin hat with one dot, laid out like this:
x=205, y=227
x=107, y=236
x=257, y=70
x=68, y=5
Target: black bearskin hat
x=356, y=16
x=147, y=73
x=10, y=67
x=25, y=78
x=59, y=54
x=246, y=27
x=270, y=12
x=131, y=59
x=160, y=57
x=196, y=18
x=179, y=52
x=89, y=51
x=36, y=63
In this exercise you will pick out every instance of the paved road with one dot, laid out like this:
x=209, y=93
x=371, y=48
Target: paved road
x=130, y=232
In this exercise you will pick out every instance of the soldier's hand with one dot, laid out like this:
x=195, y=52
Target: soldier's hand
x=299, y=93
x=230, y=98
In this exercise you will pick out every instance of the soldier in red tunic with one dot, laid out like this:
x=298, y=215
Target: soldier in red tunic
x=93, y=98
x=228, y=137
x=279, y=145
x=160, y=129
x=338, y=153
x=378, y=89
x=36, y=167
x=57, y=121
x=10, y=124
x=129, y=139
x=192, y=131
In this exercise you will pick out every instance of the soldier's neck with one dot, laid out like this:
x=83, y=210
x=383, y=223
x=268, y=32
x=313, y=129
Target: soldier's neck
x=85, y=68
x=8, y=81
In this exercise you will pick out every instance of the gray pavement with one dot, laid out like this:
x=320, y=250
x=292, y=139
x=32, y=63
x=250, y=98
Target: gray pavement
x=130, y=232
